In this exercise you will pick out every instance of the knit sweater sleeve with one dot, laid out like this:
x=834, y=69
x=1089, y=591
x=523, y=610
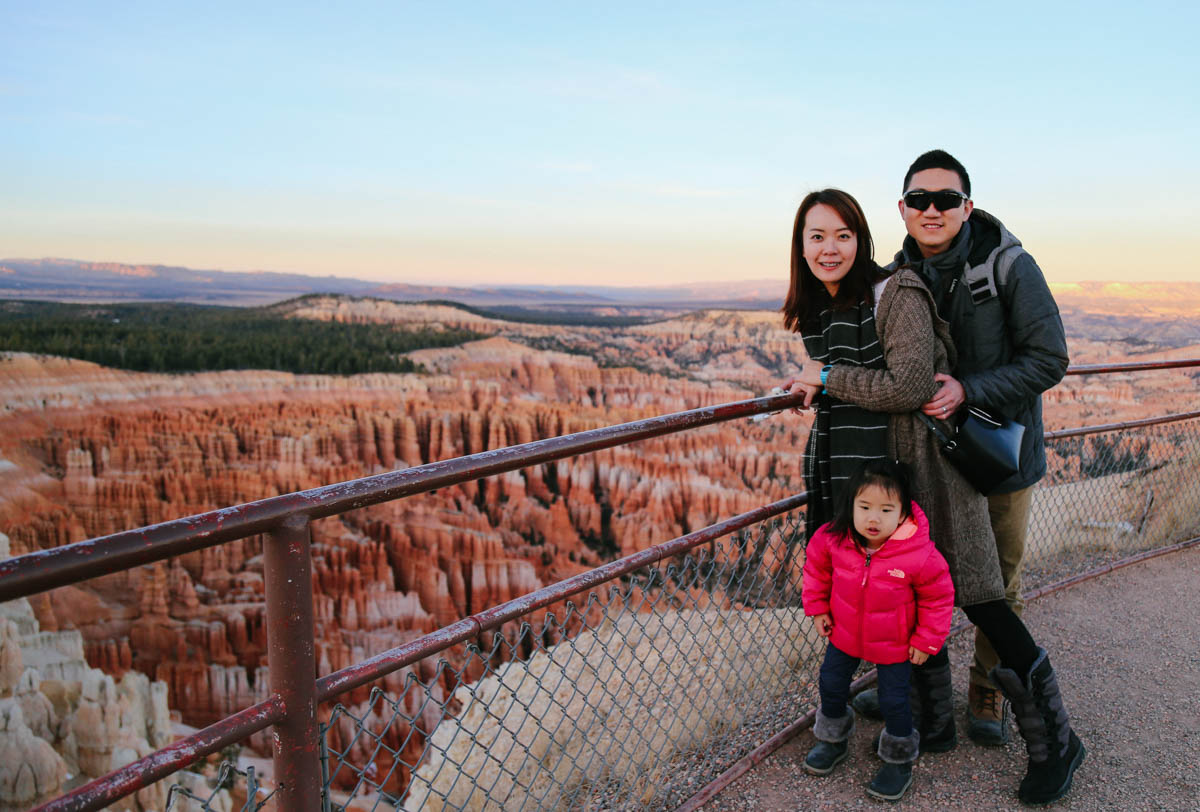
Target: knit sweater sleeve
x=905, y=328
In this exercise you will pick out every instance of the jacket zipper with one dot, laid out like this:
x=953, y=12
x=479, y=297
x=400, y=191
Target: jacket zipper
x=862, y=615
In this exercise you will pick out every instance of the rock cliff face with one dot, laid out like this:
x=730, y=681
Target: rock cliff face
x=86, y=451
x=62, y=722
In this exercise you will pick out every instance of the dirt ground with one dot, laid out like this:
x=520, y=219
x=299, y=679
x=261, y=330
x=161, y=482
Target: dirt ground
x=1126, y=647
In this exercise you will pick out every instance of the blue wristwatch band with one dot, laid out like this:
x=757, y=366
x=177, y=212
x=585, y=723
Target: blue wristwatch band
x=825, y=374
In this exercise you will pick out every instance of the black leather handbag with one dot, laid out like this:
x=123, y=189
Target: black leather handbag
x=984, y=448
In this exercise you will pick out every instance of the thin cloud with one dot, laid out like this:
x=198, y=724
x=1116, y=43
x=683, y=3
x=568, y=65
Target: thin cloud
x=571, y=167
x=106, y=119
x=606, y=83
x=610, y=84
x=678, y=190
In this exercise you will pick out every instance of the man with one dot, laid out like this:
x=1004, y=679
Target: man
x=1011, y=348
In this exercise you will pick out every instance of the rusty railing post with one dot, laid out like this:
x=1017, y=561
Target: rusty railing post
x=291, y=663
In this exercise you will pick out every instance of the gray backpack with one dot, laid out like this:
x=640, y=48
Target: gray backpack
x=984, y=281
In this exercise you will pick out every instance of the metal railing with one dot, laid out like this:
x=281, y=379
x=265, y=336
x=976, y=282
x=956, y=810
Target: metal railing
x=679, y=659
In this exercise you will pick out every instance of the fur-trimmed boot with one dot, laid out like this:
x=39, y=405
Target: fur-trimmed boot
x=895, y=776
x=1055, y=752
x=831, y=747
x=932, y=698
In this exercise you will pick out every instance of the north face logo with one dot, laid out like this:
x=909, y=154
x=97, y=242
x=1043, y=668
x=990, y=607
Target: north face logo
x=896, y=573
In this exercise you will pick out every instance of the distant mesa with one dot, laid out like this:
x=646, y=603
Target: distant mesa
x=69, y=280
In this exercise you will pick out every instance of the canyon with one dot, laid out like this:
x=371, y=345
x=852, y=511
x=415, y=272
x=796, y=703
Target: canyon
x=86, y=451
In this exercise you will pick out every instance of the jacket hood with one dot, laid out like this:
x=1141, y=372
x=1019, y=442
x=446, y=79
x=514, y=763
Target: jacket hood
x=982, y=238
x=989, y=238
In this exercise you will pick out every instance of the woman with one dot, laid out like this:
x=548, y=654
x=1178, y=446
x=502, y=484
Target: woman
x=874, y=343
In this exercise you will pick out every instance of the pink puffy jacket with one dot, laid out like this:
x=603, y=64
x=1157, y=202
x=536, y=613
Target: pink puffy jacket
x=883, y=601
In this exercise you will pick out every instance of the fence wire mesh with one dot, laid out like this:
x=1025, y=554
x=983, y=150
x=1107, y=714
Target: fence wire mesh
x=231, y=789
x=629, y=698
x=641, y=693
x=1113, y=495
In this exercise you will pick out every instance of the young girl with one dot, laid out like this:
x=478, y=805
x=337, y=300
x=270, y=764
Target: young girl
x=879, y=590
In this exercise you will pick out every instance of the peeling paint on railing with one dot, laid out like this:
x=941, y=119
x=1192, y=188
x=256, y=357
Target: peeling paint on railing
x=1128, y=424
x=102, y=791
x=1134, y=366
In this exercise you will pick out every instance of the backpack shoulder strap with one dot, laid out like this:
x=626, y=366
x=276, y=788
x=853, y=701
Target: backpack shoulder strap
x=984, y=281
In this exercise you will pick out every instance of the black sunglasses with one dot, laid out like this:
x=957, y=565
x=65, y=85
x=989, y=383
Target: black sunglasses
x=944, y=200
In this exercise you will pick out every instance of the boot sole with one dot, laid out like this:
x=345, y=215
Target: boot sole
x=874, y=793
x=939, y=747
x=1066, y=787
x=818, y=771
x=986, y=739
x=983, y=732
x=933, y=747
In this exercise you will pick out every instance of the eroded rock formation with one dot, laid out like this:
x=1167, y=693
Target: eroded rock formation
x=62, y=722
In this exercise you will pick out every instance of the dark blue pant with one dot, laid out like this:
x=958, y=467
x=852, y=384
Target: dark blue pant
x=837, y=670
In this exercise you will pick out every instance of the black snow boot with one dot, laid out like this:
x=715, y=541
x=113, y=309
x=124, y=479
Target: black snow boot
x=932, y=698
x=1055, y=752
x=866, y=704
x=831, y=747
x=895, y=776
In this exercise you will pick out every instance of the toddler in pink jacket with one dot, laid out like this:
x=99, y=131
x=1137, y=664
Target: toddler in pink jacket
x=879, y=590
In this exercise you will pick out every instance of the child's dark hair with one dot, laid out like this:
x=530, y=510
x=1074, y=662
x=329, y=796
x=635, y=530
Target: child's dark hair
x=892, y=476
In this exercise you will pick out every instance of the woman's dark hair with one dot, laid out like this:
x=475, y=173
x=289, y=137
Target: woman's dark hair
x=807, y=295
x=892, y=476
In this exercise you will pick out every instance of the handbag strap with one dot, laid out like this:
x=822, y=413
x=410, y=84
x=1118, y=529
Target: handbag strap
x=937, y=430
x=986, y=417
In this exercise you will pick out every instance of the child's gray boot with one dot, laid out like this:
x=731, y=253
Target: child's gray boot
x=895, y=776
x=831, y=747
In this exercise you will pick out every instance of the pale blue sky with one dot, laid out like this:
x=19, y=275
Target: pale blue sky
x=617, y=143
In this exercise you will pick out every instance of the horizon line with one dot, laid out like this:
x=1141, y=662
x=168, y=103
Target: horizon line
x=781, y=281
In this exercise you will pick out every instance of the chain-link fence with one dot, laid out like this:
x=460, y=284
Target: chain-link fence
x=643, y=692
x=631, y=698
x=230, y=790
x=1112, y=495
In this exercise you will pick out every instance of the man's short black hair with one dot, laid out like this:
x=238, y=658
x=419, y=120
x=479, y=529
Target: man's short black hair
x=939, y=159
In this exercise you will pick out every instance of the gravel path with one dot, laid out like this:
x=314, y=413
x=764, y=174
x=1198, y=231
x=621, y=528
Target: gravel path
x=1126, y=647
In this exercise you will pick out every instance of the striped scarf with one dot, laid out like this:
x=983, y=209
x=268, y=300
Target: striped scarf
x=843, y=435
